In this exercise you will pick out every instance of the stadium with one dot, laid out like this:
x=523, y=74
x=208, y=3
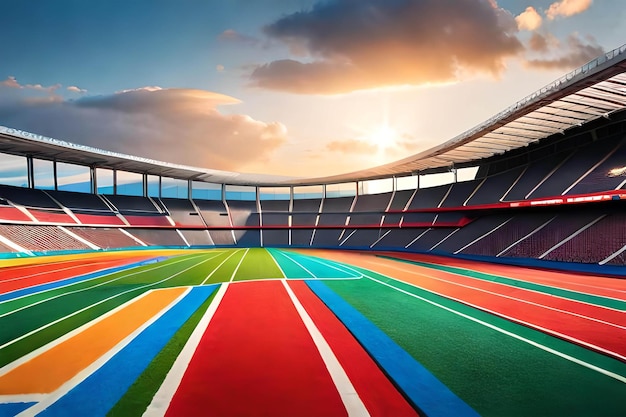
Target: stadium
x=483, y=276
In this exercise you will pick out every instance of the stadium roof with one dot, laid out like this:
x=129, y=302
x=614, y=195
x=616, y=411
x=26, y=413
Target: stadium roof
x=590, y=92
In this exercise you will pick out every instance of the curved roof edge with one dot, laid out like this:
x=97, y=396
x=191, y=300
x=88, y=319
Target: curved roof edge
x=595, y=90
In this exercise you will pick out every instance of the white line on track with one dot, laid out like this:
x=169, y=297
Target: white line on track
x=299, y=264
x=554, y=280
x=161, y=265
x=102, y=301
x=220, y=264
x=10, y=366
x=52, y=271
x=163, y=397
x=351, y=400
x=608, y=373
x=276, y=262
x=510, y=297
x=543, y=347
x=232, y=277
x=82, y=375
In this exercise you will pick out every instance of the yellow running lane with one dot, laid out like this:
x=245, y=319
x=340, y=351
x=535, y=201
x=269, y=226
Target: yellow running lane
x=51, y=369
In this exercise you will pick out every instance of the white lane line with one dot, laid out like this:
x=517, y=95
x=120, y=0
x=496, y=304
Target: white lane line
x=232, y=277
x=521, y=300
x=10, y=366
x=351, y=400
x=163, y=397
x=100, y=302
x=338, y=268
x=82, y=375
x=218, y=267
x=276, y=262
x=513, y=335
x=52, y=271
x=542, y=281
x=87, y=288
x=299, y=264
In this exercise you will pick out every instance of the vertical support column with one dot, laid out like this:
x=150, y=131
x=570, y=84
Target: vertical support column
x=30, y=172
x=144, y=184
x=454, y=172
x=418, y=179
x=115, y=182
x=55, y=176
x=223, y=193
x=291, y=198
x=189, y=189
x=160, y=186
x=93, y=178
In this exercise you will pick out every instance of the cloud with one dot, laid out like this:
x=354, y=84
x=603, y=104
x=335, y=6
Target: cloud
x=529, y=19
x=175, y=125
x=566, y=8
x=219, y=68
x=10, y=82
x=572, y=53
x=350, y=45
x=75, y=89
x=351, y=146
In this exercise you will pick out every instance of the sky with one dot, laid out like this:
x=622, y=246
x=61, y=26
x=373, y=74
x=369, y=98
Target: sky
x=286, y=87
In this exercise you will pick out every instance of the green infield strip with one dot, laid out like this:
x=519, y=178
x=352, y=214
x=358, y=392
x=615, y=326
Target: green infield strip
x=496, y=373
x=257, y=263
x=50, y=315
x=140, y=394
x=546, y=289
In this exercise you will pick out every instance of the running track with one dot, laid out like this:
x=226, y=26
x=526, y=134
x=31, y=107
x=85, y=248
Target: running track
x=268, y=344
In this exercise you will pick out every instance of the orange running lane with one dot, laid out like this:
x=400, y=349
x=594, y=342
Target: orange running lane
x=510, y=302
x=588, y=284
x=52, y=368
x=53, y=272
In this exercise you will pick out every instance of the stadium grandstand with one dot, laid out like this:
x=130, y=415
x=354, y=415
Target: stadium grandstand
x=480, y=277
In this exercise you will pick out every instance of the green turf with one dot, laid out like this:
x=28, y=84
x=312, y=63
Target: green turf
x=11, y=305
x=559, y=292
x=223, y=272
x=136, y=400
x=494, y=373
x=258, y=263
x=21, y=322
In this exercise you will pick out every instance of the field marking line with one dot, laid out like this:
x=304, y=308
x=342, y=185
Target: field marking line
x=164, y=395
x=276, y=262
x=51, y=271
x=81, y=376
x=509, y=297
x=8, y=313
x=508, y=276
x=100, y=302
x=299, y=264
x=349, y=396
x=23, y=359
x=220, y=264
x=232, y=277
x=338, y=268
x=506, y=332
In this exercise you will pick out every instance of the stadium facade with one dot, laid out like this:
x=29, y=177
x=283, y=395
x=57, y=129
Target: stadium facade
x=542, y=179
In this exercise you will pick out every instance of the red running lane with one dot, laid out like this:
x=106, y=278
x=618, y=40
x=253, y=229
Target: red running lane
x=512, y=303
x=256, y=358
x=46, y=273
x=380, y=396
x=588, y=284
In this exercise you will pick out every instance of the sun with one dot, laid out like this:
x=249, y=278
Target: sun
x=383, y=136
